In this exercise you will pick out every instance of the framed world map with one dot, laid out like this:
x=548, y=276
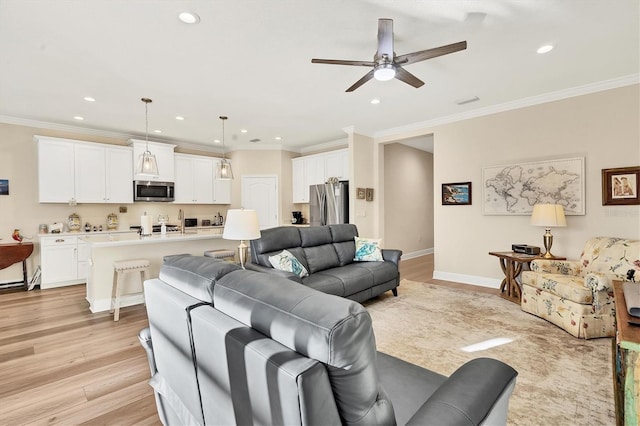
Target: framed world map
x=513, y=189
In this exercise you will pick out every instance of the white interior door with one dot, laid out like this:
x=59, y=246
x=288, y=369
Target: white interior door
x=260, y=193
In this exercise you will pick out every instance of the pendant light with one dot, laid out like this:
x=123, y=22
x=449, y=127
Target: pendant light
x=223, y=171
x=147, y=164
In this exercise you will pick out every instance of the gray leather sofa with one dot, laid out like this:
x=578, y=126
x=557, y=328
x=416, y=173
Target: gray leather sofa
x=231, y=346
x=327, y=252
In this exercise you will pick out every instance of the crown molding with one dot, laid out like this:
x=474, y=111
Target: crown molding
x=340, y=143
x=65, y=128
x=392, y=134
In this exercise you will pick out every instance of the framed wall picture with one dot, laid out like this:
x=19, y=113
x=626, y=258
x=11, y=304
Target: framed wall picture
x=369, y=194
x=620, y=186
x=4, y=186
x=456, y=194
x=360, y=193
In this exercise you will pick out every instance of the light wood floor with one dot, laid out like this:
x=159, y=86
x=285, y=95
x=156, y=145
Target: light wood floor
x=60, y=364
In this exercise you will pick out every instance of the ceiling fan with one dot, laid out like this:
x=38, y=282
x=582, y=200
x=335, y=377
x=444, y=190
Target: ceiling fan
x=386, y=65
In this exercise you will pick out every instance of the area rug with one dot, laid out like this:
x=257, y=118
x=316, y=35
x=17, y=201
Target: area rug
x=562, y=380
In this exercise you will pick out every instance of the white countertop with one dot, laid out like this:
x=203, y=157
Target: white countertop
x=129, y=239
x=84, y=234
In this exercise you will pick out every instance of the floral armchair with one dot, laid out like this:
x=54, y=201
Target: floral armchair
x=578, y=295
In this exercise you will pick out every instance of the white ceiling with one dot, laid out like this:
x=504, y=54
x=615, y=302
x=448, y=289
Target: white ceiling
x=251, y=61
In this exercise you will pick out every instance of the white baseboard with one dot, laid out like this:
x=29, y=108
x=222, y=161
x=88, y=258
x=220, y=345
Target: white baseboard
x=415, y=254
x=467, y=279
x=102, y=305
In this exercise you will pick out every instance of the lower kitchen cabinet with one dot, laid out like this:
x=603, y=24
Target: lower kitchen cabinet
x=59, y=261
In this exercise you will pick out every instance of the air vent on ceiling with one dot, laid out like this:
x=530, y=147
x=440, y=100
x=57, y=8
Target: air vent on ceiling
x=467, y=101
x=254, y=140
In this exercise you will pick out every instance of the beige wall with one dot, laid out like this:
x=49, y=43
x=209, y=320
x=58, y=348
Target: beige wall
x=363, y=174
x=408, y=199
x=603, y=127
x=20, y=209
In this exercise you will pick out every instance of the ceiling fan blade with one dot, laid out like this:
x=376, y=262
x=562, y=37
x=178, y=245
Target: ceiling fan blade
x=385, y=38
x=407, y=77
x=368, y=76
x=422, y=55
x=341, y=62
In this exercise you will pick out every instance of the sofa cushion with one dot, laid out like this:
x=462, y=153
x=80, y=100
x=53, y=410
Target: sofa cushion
x=367, y=250
x=339, y=335
x=195, y=275
x=354, y=279
x=325, y=283
x=285, y=261
x=321, y=257
x=315, y=236
x=343, y=232
x=273, y=241
x=382, y=271
x=568, y=287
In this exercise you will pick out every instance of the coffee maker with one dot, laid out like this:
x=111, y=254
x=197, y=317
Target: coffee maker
x=297, y=218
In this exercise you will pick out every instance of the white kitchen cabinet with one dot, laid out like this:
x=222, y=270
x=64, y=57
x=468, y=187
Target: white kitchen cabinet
x=59, y=261
x=221, y=188
x=164, y=157
x=103, y=174
x=194, y=179
x=316, y=169
x=56, y=179
x=84, y=254
x=336, y=164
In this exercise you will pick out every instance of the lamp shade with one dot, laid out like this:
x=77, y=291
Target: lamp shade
x=548, y=215
x=241, y=224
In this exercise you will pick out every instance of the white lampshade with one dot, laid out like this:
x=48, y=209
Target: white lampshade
x=548, y=215
x=241, y=224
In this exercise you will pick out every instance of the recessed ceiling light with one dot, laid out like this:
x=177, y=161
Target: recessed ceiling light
x=179, y=118
x=157, y=131
x=375, y=101
x=243, y=131
x=189, y=18
x=77, y=117
x=278, y=138
x=89, y=99
x=545, y=49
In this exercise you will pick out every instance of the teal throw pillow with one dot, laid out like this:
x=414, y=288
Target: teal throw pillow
x=285, y=261
x=368, y=250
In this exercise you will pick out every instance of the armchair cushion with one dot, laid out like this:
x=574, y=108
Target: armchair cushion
x=564, y=267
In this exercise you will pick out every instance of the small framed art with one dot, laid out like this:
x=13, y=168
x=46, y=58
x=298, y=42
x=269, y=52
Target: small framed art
x=456, y=194
x=620, y=186
x=369, y=194
x=360, y=193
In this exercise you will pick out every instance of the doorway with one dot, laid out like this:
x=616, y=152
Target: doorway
x=260, y=193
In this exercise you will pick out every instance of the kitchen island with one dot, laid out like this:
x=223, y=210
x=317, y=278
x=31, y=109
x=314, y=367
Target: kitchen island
x=105, y=249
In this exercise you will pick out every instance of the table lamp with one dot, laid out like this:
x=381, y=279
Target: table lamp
x=241, y=225
x=548, y=215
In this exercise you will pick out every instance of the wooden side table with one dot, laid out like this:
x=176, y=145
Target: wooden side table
x=626, y=362
x=511, y=264
x=14, y=253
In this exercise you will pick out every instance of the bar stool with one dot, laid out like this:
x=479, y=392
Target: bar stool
x=228, y=255
x=120, y=270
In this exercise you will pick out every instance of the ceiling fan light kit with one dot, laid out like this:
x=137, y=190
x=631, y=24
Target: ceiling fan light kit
x=386, y=65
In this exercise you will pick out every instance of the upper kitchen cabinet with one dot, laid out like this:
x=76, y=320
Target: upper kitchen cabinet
x=164, y=157
x=336, y=164
x=316, y=169
x=103, y=173
x=56, y=179
x=194, y=179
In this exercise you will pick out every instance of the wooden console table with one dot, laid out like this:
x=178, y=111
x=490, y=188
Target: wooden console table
x=14, y=253
x=511, y=264
x=626, y=362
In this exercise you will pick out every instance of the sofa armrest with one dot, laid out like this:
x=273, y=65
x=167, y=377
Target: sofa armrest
x=145, y=340
x=549, y=266
x=284, y=274
x=597, y=281
x=476, y=393
x=392, y=255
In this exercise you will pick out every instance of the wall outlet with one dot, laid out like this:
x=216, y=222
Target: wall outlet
x=123, y=209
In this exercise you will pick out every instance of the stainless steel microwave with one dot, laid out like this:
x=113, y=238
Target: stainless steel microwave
x=148, y=190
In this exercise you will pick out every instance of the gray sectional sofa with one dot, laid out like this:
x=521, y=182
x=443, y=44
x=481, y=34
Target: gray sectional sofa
x=327, y=252
x=231, y=346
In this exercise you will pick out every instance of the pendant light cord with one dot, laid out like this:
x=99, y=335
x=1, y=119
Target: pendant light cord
x=223, y=118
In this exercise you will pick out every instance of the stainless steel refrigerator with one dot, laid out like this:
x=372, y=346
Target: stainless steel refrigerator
x=329, y=203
